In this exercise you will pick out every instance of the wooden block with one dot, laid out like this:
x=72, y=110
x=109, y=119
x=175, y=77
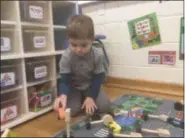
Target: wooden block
x=61, y=113
x=161, y=117
x=160, y=132
x=68, y=114
x=5, y=133
x=132, y=134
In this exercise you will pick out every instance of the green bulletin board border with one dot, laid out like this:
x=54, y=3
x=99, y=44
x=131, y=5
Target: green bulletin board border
x=181, y=43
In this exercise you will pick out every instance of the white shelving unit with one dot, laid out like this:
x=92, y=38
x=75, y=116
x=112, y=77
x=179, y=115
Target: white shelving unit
x=33, y=38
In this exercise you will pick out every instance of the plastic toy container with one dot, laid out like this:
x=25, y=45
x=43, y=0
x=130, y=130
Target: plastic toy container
x=9, y=76
x=7, y=39
x=40, y=96
x=61, y=41
x=35, y=40
x=37, y=70
x=9, y=106
x=34, y=11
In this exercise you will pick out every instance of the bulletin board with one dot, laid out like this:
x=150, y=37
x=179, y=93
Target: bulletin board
x=144, y=31
x=181, y=43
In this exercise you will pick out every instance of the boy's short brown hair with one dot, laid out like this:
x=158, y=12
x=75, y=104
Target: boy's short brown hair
x=80, y=27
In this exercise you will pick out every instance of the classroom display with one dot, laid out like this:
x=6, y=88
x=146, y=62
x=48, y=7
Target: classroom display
x=133, y=116
x=181, y=48
x=144, y=31
x=162, y=57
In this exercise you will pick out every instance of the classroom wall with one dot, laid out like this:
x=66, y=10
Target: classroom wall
x=110, y=18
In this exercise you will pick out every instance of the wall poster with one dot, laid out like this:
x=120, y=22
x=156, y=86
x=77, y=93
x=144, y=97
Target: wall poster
x=144, y=31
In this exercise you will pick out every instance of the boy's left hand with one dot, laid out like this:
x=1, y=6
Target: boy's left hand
x=89, y=105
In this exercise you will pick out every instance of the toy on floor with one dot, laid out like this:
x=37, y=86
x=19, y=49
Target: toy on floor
x=114, y=128
x=106, y=117
x=130, y=118
x=94, y=117
x=173, y=121
x=153, y=123
x=67, y=119
x=179, y=107
x=107, y=120
x=8, y=133
x=160, y=132
x=67, y=114
x=61, y=112
x=132, y=134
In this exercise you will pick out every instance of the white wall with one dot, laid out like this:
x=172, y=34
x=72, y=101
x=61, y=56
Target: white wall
x=110, y=18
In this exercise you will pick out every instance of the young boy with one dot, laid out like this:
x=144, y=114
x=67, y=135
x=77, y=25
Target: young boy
x=82, y=71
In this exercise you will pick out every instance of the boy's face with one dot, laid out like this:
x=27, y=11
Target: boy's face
x=80, y=47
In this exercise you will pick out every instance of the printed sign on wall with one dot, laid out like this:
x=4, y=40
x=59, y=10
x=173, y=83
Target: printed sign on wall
x=162, y=57
x=181, y=48
x=144, y=31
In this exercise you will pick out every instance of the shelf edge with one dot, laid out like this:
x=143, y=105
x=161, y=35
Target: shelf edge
x=25, y=118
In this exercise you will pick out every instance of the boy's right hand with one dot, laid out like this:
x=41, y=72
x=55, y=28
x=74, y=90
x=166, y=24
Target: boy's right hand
x=62, y=99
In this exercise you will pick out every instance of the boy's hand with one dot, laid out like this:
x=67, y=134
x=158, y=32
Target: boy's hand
x=62, y=99
x=89, y=105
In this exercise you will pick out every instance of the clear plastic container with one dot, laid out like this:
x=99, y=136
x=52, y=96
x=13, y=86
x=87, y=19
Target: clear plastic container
x=9, y=76
x=7, y=41
x=10, y=106
x=35, y=40
x=62, y=12
x=40, y=96
x=34, y=11
x=61, y=41
x=37, y=70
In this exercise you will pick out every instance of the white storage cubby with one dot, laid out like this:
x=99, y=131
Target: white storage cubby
x=38, y=69
x=33, y=37
x=11, y=106
x=9, y=43
x=11, y=75
x=34, y=11
x=36, y=39
x=40, y=96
